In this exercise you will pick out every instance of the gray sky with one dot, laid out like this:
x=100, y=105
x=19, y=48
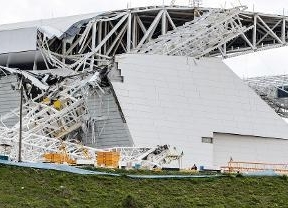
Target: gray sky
x=263, y=63
x=267, y=62
x=23, y=10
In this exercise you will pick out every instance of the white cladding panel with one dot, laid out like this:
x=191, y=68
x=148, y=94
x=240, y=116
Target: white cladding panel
x=248, y=149
x=177, y=100
x=18, y=40
x=9, y=100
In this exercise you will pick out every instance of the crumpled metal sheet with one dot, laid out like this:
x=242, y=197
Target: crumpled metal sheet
x=74, y=29
x=50, y=32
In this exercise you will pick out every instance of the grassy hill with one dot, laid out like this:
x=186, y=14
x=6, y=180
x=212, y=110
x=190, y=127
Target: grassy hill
x=24, y=187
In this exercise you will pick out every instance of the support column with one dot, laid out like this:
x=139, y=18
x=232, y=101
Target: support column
x=128, y=45
x=64, y=43
x=134, y=35
x=20, y=122
x=93, y=43
x=283, y=30
x=255, y=30
x=99, y=35
x=105, y=33
x=35, y=61
x=164, y=23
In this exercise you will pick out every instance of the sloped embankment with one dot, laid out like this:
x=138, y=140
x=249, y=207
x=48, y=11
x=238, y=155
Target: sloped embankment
x=26, y=187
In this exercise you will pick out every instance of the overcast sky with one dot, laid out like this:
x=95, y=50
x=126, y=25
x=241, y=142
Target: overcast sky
x=263, y=63
x=23, y=10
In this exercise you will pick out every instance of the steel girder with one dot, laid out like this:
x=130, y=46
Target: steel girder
x=200, y=36
x=48, y=127
x=123, y=31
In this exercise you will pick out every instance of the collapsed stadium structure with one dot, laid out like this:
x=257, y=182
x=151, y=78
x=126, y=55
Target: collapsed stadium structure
x=137, y=78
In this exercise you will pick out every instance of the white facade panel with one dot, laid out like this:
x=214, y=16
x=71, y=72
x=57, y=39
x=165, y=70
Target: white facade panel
x=9, y=99
x=18, y=40
x=248, y=149
x=178, y=100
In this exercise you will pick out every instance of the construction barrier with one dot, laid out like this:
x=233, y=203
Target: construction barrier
x=246, y=167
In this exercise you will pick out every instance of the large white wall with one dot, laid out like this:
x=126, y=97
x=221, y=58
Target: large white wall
x=249, y=149
x=9, y=100
x=178, y=100
x=18, y=40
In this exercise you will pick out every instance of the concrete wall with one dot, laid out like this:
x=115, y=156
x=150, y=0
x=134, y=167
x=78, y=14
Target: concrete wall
x=110, y=129
x=179, y=100
x=23, y=39
x=9, y=99
x=248, y=149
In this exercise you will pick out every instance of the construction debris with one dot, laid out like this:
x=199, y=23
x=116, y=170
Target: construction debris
x=54, y=122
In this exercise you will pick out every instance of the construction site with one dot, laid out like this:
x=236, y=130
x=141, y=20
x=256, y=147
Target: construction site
x=144, y=88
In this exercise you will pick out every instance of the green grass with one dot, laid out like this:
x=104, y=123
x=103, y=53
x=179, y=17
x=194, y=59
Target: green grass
x=24, y=187
x=146, y=172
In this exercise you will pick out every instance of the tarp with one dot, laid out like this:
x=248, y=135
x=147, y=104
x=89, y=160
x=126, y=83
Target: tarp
x=59, y=167
x=262, y=173
x=71, y=169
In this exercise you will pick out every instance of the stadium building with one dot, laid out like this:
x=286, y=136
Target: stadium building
x=143, y=77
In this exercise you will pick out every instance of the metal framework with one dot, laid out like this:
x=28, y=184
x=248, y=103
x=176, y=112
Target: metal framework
x=201, y=36
x=269, y=88
x=51, y=120
x=149, y=157
x=226, y=32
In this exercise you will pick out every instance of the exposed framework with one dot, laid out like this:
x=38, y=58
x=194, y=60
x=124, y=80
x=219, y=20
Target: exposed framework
x=52, y=119
x=121, y=31
x=177, y=30
x=149, y=157
x=269, y=88
x=200, y=36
